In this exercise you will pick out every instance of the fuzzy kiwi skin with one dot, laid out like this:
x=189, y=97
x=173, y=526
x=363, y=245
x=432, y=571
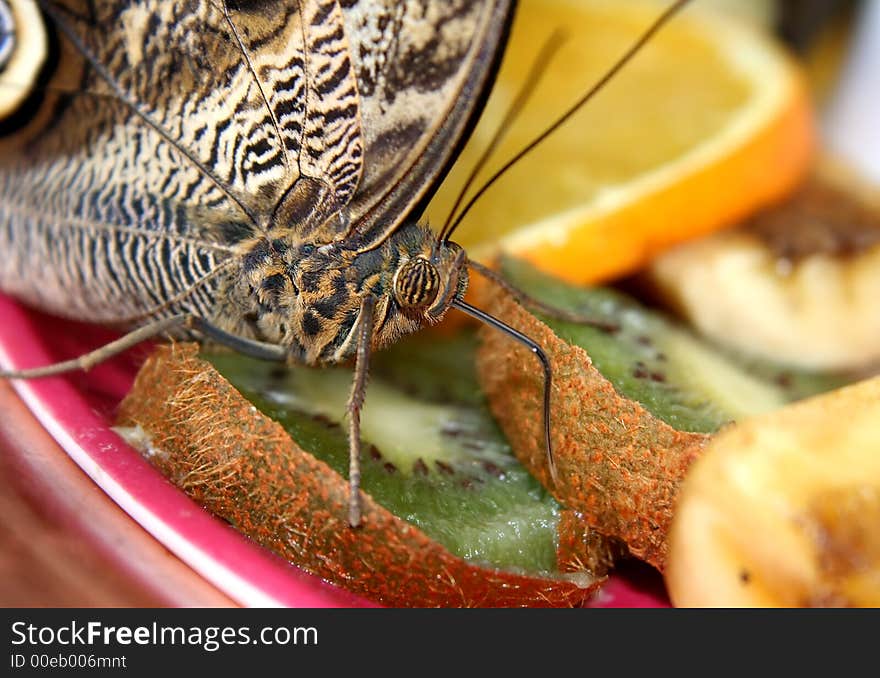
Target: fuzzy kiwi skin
x=690, y=383
x=624, y=433
x=244, y=467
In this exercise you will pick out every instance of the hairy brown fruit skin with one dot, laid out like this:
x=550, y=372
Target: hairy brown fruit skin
x=619, y=467
x=245, y=468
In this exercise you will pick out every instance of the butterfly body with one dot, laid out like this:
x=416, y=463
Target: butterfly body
x=308, y=296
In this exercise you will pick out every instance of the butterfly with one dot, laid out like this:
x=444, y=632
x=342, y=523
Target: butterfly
x=248, y=172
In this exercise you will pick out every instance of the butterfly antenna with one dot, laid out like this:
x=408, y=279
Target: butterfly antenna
x=589, y=94
x=484, y=317
x=539, y=67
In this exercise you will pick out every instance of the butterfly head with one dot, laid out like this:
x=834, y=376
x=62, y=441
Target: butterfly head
x=426, y=284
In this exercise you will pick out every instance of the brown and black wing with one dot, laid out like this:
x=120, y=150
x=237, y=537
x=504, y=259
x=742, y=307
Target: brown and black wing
x=424, y=68
x=222, y=107
x=197, y=123
x=166, y=132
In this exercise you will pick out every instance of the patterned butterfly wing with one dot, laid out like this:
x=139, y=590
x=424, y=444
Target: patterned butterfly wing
x=424, y=69
x=167, y=132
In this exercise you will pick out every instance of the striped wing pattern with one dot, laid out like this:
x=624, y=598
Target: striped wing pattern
x=171, y=130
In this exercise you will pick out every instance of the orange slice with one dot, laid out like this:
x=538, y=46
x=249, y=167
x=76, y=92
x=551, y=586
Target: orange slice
x=710, y=121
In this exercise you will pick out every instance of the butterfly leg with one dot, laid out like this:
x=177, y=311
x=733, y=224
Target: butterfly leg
x=249, y=347
x=89, y=360
x=355, y=402
x=538, y=352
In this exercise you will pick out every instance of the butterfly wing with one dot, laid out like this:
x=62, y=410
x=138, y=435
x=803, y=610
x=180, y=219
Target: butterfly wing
x=199, y=123
x=424, y=69
x=391, y=89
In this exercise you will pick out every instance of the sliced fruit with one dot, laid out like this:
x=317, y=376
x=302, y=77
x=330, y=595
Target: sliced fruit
x=709, y=122
x=448, y=471
x=629, y=414
x=617, y=465
x=784, y=509
x=244, y=467
x=796, y=284
x=649, y=357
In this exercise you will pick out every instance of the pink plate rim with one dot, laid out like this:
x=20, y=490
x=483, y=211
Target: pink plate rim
x=247, y=573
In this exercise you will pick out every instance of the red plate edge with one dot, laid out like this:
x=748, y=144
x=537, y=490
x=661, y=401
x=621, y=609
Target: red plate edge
x=246, y=572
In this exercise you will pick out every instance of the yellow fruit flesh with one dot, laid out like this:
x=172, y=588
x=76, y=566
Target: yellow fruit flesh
x=819, y=313
x=681, y=142
x=784, y=509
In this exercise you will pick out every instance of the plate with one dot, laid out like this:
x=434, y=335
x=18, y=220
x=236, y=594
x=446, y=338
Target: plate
x=78, y=409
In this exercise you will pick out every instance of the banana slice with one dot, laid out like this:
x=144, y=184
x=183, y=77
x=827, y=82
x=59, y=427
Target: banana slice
x=798, y=284
x=784, y=509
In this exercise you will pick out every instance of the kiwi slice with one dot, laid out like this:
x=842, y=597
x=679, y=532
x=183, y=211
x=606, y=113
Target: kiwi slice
x=636, y=398
x=682, y=379
x=243, y=466
x=433, y=454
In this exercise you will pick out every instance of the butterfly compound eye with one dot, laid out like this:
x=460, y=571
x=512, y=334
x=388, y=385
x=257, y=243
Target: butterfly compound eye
x=416, y=284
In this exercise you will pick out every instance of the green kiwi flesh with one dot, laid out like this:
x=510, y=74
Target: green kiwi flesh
x=679, y=377
x=432, y=454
